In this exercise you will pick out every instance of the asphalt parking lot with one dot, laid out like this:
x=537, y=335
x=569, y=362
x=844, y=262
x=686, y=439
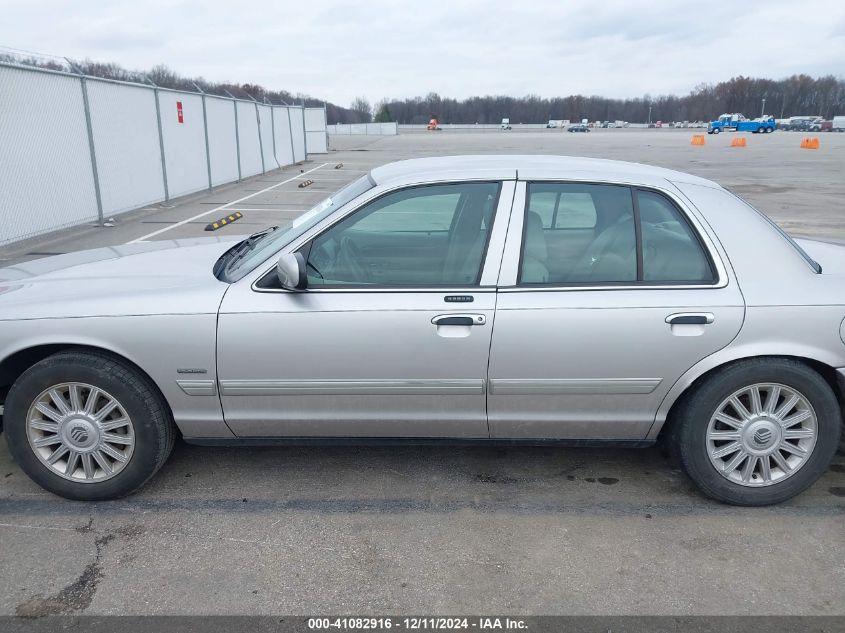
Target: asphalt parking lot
x=328, y=530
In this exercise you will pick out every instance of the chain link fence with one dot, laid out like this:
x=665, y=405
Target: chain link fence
x=77, y=149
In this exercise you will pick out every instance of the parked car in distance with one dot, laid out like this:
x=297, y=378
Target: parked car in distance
x=820, y=125
x=506, y=124
x=837, y=124
x=801, y=124
x=614, y=288
x=578, y=127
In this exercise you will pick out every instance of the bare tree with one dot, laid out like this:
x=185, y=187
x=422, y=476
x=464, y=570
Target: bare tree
x=165, y=77
x=796, y=95
x=362, y=106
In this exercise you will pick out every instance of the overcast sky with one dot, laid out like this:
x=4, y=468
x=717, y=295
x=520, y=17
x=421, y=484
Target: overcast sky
x=376, y=48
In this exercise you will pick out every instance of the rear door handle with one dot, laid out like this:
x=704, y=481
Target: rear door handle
x=459, y=319
x=690, y=318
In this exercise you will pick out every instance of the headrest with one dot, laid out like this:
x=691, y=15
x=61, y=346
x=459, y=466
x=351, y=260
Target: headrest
x=535, y=239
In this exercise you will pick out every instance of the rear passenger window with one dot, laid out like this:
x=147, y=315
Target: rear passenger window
x=578, y=234
x=591, y=234
x=671, y=251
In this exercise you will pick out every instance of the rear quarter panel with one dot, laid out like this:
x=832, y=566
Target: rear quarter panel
x=790, y=309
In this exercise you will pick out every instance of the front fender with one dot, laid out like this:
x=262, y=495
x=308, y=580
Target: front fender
x=159, y=345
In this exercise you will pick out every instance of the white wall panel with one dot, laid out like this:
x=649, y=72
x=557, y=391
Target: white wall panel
x=223, y=149
x=284, y=149
x=44, y=139
x=184, y=143
x=248, y=135
x=46, y=181
x=298, y=133
x=266, y=120
x=315, y=131
x=126, y=140
x=373, y=129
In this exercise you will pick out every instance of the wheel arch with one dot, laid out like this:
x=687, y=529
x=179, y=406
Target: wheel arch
x=16, y=363
x=665, y=416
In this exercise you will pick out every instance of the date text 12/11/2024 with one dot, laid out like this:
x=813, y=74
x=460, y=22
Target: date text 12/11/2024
x=417, y=623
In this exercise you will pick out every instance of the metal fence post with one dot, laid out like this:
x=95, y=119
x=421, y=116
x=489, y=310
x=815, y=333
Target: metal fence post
x=304, y=132
x=273, y=131
x=205, y=129
x=94, y=172
x=237, y=133
x=290, y=129
x=326, y=124
x=161, y=143
x=258, y=124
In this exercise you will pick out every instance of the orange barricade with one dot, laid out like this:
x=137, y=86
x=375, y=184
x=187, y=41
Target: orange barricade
x=697, y=139
x=738, y=141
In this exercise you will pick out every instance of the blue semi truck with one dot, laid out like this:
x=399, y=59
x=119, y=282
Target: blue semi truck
x=738, y=123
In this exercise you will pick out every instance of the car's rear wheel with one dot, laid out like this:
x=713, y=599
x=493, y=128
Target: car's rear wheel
x=86, y=426
x=758, y=432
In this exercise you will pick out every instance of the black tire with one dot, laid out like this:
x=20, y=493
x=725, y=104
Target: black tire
x=152, y=422
x=694, y=412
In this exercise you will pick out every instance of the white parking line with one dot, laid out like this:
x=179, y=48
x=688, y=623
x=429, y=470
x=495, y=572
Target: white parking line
x=222, y=207
x=274, y=209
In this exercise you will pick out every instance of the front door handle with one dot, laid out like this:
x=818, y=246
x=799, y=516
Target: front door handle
x=690, y=318
x=459, y=319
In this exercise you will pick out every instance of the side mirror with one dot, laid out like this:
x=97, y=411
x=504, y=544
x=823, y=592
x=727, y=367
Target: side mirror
x=291, y=271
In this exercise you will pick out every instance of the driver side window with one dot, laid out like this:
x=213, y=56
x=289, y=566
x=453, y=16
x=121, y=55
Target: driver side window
x=433, y=235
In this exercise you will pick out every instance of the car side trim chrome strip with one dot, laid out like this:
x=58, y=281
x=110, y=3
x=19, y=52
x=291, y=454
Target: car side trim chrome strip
x=295, y=440
x=572, y=386
x=198, y=387
x=350, y=387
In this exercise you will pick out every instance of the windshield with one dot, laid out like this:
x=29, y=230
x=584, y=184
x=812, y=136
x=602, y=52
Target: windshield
x=246, y=255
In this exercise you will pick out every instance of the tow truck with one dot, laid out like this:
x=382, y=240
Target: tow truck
x=738, y=123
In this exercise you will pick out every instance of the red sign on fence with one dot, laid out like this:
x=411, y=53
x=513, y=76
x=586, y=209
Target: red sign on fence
x=179, y=117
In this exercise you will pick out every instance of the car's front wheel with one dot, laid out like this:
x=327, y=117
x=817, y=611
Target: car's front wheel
x=86, y=426
x=758, y=432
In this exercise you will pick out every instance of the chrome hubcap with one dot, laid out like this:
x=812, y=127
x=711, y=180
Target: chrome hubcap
x=80, y=432
x=761, y=434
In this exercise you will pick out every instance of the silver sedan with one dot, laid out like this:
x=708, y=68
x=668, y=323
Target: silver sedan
x=504, y=299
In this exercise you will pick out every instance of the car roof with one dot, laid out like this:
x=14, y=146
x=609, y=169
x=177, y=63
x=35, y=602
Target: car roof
x=509, y=167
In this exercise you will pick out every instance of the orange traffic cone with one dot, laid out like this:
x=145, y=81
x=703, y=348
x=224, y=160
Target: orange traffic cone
x=697, y=139
x=738, y=141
